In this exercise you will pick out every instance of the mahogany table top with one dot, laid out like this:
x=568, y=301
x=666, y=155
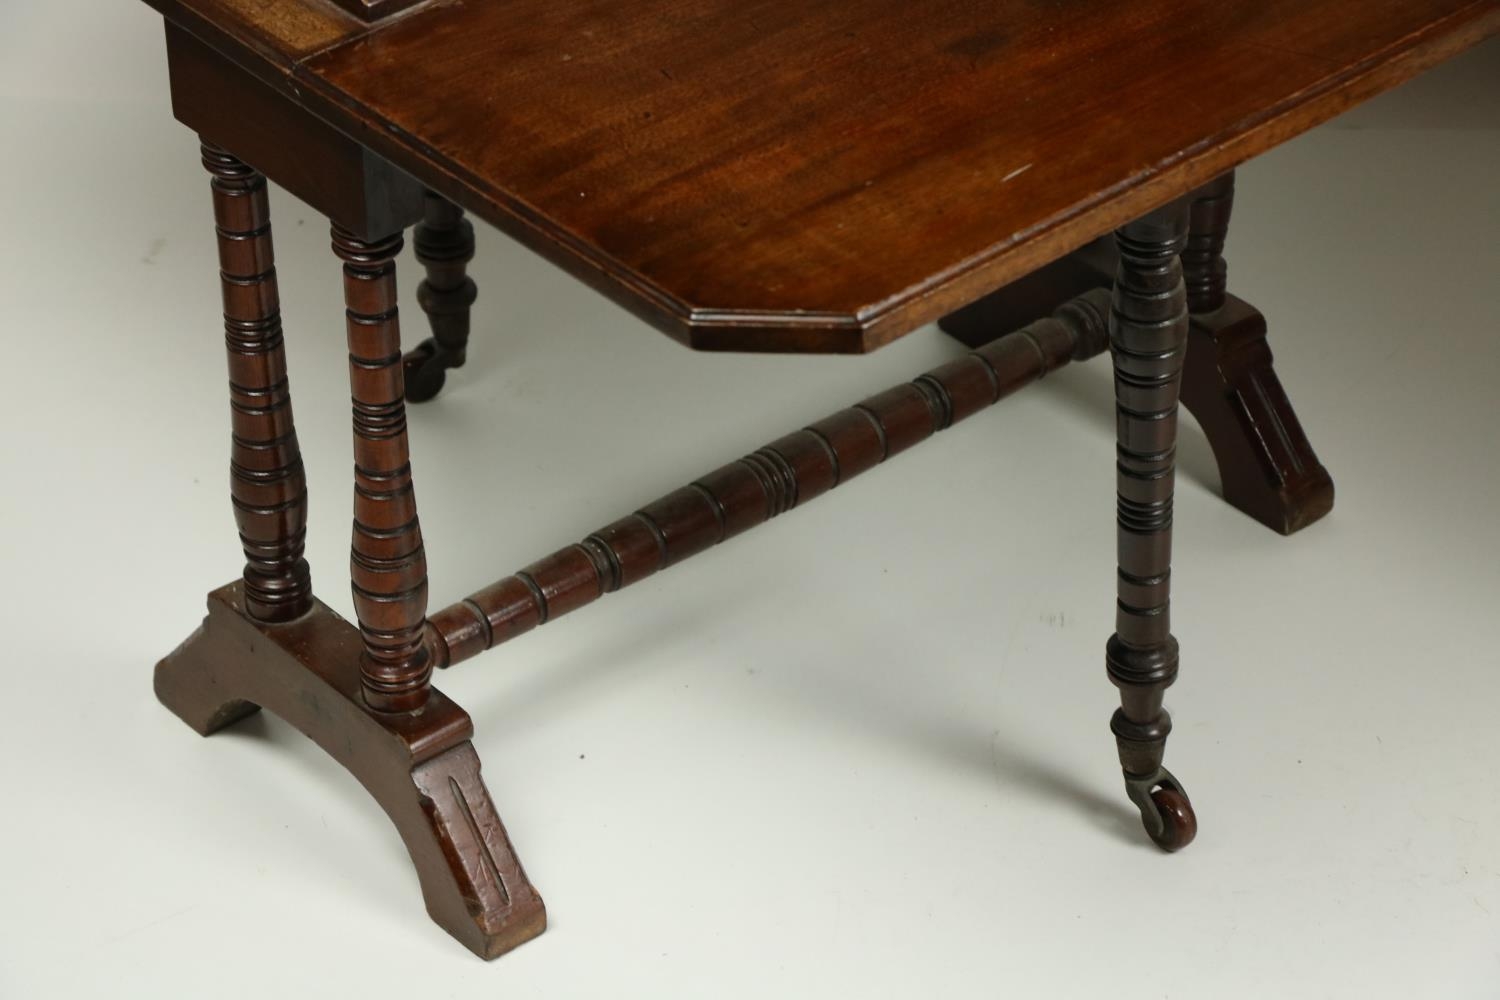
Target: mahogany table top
x=824, y=175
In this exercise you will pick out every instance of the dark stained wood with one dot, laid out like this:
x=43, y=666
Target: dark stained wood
x=750, y=175
x=757, y=175
x=444, y=246
x=1204, y=269
x=266, y=483
x=787, y=473
x=1267, y=466
x=1034, y=295
x=1148, y=340
x=363, y=695
x=420, y=767
x=346, y=182
x=387, y=562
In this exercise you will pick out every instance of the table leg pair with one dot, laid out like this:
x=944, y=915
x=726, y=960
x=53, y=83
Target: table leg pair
x=365, y=694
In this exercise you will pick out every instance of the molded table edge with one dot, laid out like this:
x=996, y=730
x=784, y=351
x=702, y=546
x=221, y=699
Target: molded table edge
x=719, y=329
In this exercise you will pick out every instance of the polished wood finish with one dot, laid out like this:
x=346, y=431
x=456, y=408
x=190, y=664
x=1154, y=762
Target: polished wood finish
x=1148, y=340
x=813, y=139
x=753, y=175
x=444, y=246
x=387, y=563
x=363, y=695
x=747, y=175
x=266, y=482
x=787, y=473
x=1204, y=269
x=420, y=766
x=1267, y=466
x=354, y=187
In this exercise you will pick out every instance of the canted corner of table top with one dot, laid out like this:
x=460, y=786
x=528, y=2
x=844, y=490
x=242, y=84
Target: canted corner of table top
x=826, y=176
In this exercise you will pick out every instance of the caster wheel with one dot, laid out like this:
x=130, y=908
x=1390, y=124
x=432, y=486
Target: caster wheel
x=1179, y=823
x=425, y=373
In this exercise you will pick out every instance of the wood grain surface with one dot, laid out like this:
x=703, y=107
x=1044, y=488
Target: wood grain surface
x=268, y=36
x=828, y=175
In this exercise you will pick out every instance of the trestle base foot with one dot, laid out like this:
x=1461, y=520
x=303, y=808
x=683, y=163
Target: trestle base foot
x=420, y=766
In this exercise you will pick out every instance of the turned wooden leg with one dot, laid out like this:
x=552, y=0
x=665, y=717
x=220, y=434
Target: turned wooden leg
x=1204, y=270
x=266, y=484
x=1266, y=463
x=444, y=245
x=387, y=563
x=268, y=642
x=1148, y=338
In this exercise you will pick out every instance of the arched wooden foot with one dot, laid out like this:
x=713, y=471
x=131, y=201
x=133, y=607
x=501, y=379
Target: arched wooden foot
x=1266, y=464
x=419, y=766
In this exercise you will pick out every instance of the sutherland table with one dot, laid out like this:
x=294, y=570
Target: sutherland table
x=745, y=175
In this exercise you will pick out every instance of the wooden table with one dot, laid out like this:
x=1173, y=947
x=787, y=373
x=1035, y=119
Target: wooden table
x=749, y=176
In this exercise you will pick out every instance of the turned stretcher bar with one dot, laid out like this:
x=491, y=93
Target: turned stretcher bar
x=784, y=474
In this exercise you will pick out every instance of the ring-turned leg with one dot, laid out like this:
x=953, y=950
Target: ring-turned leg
x=444, y=246
x=1148, y=338
x=387, y=563
x=1266, y=464
x=266, y=484
x=267, y=642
